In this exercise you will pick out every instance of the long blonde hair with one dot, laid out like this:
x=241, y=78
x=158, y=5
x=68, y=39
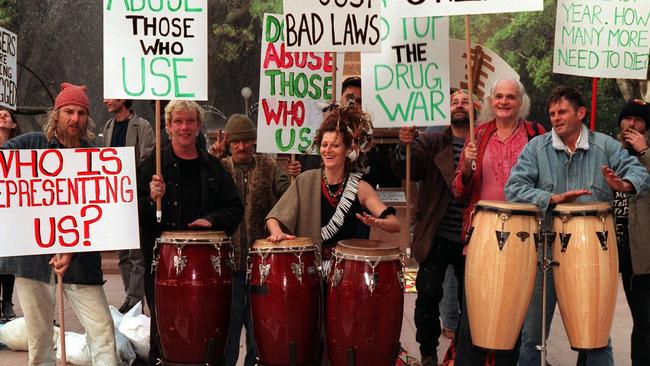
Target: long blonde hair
x=53, y=119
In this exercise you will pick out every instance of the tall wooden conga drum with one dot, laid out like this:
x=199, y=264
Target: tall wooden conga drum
x=193, y=289
x=500, y=271
x=285, y=286
x=586, y=279
x=365, y=302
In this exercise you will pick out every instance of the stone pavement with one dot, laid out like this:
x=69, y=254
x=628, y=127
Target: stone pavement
x=559, y=354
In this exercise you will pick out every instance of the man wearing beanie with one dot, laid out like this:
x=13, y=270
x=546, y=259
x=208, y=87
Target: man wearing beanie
x=260, y=183
x=633, y=231
x=126, y=128
x=68, y=126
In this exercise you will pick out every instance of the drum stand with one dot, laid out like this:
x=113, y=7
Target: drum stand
x=545, y=239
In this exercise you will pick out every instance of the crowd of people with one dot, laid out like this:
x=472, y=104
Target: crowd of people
x=230, y=188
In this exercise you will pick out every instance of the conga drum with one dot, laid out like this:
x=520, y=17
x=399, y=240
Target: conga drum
x=365, y=301
x=193, y=294
x=285, y=295
x=586, y=279
x=500, y=271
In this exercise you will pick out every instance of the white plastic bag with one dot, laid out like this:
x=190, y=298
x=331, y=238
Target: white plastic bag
x=135, y=326
x=76, y=349
x=14, y=335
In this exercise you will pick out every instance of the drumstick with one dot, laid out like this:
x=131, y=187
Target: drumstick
x=59, y=290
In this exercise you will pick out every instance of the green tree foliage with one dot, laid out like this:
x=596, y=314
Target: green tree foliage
x=8, y=14
x=525, y=40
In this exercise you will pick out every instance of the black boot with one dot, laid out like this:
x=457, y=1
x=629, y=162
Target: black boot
x=8, y=310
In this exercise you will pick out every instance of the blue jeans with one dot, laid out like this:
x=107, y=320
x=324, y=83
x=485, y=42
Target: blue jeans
x=531, y=334
x=240, y=316
x=449, y=308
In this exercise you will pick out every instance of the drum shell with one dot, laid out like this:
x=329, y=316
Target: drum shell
x=285, y=310
x=193, y=307
x=499, y=283
x=368, y=322
x=586, y=280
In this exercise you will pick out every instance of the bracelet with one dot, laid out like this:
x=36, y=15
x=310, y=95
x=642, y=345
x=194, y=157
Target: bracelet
x=642, y=152
x=390, y=210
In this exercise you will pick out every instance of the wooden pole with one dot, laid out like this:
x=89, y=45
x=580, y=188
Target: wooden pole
x=158, y=164
x=594, y=101
x=470, y=83
x=408, y=195
x=61, y=300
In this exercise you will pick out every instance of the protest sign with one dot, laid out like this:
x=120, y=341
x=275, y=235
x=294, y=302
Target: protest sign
x=407, y=84
x=294, y=89
x=603, y=39
x=332, y=25
x=156, y=49
x=8, y=72
x=421, y=8
x=67, y=200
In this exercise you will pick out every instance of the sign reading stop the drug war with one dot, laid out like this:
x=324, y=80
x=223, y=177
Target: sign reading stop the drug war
x=67, y=200
x=332, y=25
x=420, y=8
x=155, y=49
x=294, y=89
x=602, y=38
x=8, y=72
x=407, y=84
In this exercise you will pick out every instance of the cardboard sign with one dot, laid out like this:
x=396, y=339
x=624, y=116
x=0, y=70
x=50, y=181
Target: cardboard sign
x=407, y=84
x=8, y=71
x=603, y=39
x=294, y=89
x=67, y=200
x=156, y=49
x=421, y=8
x=332, y=25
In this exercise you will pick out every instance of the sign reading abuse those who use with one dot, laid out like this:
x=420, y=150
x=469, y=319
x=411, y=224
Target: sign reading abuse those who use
x=294, y=89
x=155, y=49
x=8, y=72
x=602, y=38
x=407, y=84
x=67, y=200
x=332, y=25
x=420, y=8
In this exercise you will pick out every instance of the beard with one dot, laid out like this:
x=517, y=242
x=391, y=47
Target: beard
x=460, y=121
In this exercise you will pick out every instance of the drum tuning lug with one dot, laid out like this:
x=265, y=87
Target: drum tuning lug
x=216, y=264
x=336, y=276
x=179, y=263
x=564, y=241
x=502, y=237
x=400, y=279
x=264, y=272
x=538, y=241
x=370, y=281
x=523, y=236
x=550, y=237
x=469, y=234
x=154, y=264
x=602, y=237
x=297, y=271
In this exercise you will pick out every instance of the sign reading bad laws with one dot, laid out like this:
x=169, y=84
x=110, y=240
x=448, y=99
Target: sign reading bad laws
x=155, y=49
x=8, y=72
x=407, y=84
x=294, y=89
x=332, y=25
x=602, y=38
x=67, y=200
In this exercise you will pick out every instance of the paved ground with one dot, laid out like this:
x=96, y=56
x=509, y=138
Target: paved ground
x=560, y=354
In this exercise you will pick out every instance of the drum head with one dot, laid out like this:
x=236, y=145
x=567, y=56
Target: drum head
x=367, y=248
x=299, y=242
x=192, y=237
x=521, y=208
x=581, y=208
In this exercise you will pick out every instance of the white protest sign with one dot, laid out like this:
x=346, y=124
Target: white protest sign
x=8, y=71
x=602, y=38
x=156, y=49
x=294, y=89
x=67, y=200
x=332, y=25
x=407, y=84
x=421, y=8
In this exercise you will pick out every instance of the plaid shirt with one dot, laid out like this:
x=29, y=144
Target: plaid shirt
x=85, y=268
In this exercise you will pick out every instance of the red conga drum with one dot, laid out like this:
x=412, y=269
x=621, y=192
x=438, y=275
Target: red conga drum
x=193, y=295
x=365, y=301
x=586, y=280
x=285, y=295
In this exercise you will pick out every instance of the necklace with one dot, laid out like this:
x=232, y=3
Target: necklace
x=326, y=187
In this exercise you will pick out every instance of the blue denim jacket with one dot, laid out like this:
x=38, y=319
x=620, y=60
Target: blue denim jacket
x=543, y=170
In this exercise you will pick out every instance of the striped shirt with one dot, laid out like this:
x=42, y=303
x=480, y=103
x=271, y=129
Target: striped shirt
x=452, y=222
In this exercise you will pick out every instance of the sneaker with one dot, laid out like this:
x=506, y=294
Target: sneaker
x=429, y=361
x=8, y=310
x=126, y=306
